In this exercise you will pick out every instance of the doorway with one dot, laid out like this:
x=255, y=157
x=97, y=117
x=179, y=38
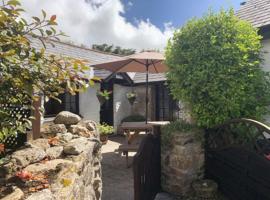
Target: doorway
x=106, y=110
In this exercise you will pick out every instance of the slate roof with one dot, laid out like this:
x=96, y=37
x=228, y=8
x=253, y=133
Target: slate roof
x=257, y=12
x=92, y=57
x=141, y=77
x=74, y=51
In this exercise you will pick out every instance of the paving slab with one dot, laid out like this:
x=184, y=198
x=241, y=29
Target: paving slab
x=117, y=178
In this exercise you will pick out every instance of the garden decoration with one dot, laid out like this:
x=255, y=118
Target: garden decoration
x=104, y=130
x=205, y=189
x=103, y=96
x=131, y=96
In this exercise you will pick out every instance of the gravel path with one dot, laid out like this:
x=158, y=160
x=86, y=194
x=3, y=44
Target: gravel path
x=117, y=178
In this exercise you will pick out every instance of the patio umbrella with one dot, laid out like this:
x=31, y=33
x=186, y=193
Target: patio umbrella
x=144, y=62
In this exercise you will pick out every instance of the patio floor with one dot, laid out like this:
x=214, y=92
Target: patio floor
x=117, y=178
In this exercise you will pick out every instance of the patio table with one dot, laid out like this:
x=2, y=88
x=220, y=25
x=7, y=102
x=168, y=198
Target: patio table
x=135, y=127
x=151, y=127
x=138, y=127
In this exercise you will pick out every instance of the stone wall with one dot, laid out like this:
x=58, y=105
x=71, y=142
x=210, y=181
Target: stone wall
x=64, y=164
x=182, y=163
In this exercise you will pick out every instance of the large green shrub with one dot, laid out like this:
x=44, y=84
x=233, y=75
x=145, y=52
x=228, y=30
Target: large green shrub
x=215, y=68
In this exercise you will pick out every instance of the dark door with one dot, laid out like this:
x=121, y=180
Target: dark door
x=106, y=110
x=166, y=107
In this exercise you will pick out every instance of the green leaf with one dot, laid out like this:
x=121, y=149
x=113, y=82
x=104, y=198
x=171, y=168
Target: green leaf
x=91, y=83
x=43, y=13
x=49, y=32
x=14, y=3
x=36, y=19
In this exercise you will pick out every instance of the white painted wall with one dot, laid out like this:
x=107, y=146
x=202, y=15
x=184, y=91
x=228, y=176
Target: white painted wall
x=266, y=63
x=89, y=104
x=266, y=54
x=121, y=106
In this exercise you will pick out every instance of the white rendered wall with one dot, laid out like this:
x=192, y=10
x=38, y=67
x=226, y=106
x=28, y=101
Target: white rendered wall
x=266, y=54
x=266, y=63
x=121, y=106
x=89, y=104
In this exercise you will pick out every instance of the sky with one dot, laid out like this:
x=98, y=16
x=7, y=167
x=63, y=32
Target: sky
x=137, y=24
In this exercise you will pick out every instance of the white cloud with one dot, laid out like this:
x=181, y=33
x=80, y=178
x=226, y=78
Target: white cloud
x=130, y=3
x=100, y=21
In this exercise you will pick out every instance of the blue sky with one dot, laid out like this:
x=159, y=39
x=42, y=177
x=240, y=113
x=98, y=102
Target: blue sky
x=175, y=11
x=137, y=24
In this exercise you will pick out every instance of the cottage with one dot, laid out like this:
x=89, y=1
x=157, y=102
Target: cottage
x=257, y=12
x=113, y=111
x=161, y=104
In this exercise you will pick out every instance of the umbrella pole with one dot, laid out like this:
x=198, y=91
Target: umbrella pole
x=146, y=93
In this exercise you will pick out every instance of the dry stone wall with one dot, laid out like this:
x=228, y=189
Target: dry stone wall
x=181, y=163
x=64, y=164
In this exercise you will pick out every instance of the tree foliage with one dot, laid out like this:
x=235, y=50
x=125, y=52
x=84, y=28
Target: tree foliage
x=111, y=49
x=27, y=72
x=215, y=68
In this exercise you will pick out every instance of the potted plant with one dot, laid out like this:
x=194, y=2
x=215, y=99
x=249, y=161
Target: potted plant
x=103, y=96
x=3, y=160
x=131, y=96
x=104, y=130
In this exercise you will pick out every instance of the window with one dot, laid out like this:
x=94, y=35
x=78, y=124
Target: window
x=69, y=103
x=166, y=107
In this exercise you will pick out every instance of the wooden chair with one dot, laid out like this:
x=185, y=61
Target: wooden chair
x=126, y=148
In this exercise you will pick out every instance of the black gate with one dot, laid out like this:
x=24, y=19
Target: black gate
x=146, y=166
x=237, y=158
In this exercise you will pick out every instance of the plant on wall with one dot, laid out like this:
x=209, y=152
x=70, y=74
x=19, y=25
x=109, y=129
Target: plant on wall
x=215, y=68
x=177, y=127
x=104, y=130
x=103, y=96
x=27, y=72
x=131, y=96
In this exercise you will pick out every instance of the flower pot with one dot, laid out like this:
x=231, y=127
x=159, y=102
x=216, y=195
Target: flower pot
x=132, y=100
x=2, y=148
x=101, y=99
x=104, y=139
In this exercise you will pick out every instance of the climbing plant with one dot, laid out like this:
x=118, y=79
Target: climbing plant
x=27, y=72
x=215, y=68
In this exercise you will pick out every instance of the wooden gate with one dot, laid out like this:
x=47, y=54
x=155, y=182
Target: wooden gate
x=236, y=158
x=146, y=168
